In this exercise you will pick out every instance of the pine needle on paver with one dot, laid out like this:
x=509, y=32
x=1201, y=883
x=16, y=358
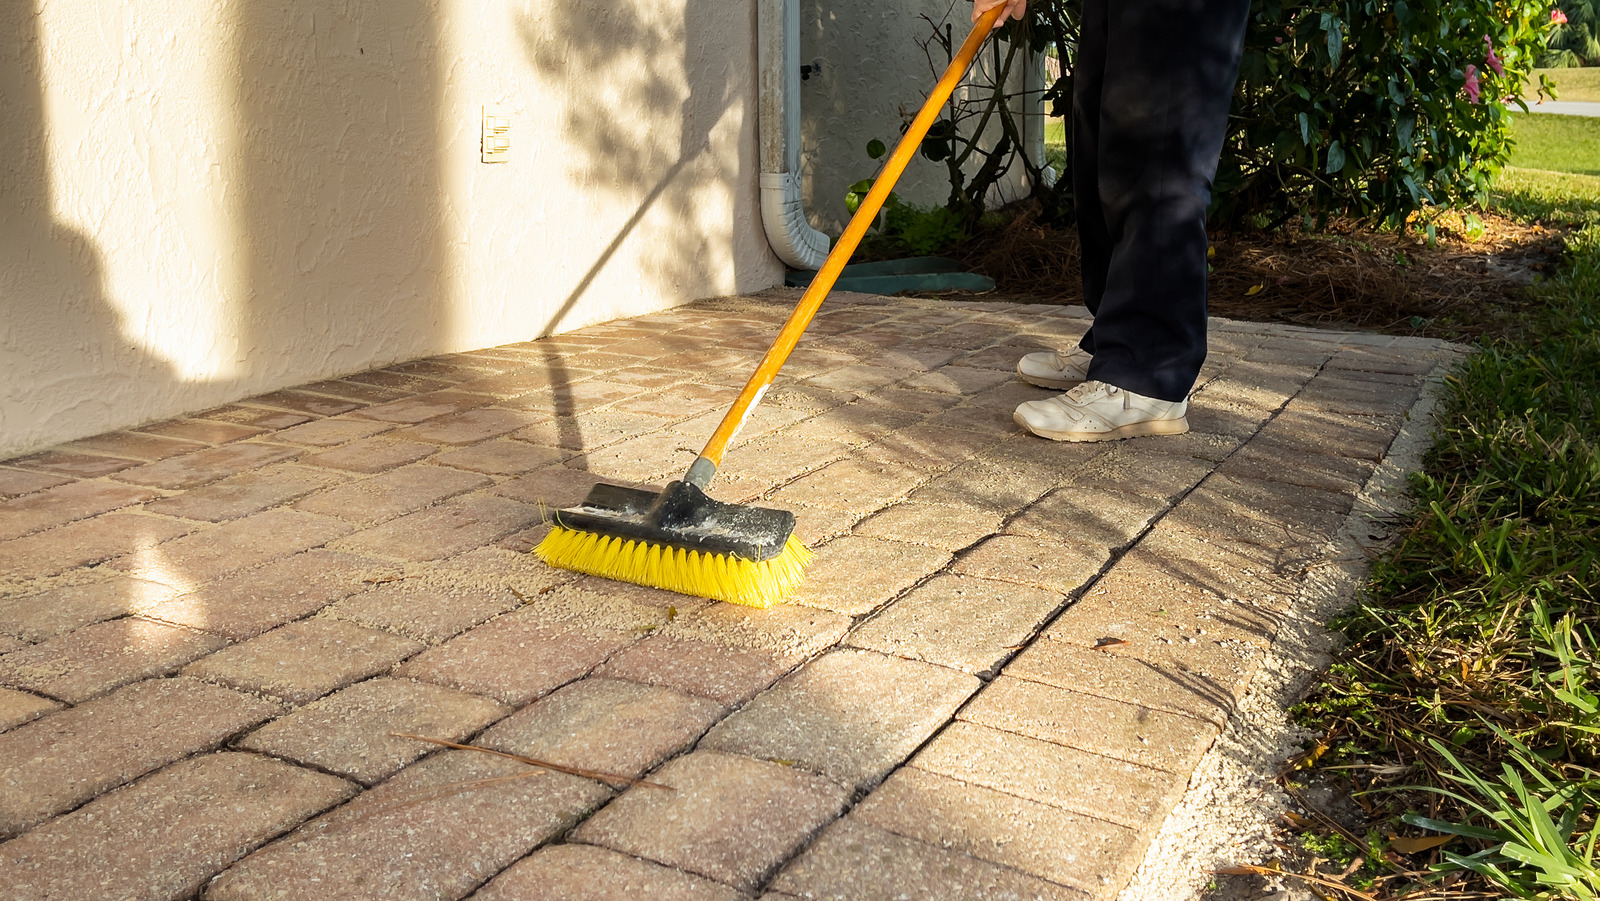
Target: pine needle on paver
x=541, y=764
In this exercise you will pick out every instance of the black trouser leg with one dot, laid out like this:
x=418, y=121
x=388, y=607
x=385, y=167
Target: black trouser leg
x=1153, y=83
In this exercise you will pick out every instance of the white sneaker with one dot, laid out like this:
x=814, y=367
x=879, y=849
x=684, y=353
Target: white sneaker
x=1095, y=411
x=1053, y=369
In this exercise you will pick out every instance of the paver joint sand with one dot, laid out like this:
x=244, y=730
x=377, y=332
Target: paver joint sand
x=996, y=684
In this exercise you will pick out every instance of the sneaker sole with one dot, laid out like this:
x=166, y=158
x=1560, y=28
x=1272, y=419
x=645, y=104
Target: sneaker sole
x=1145, y=429
x=1042, y=382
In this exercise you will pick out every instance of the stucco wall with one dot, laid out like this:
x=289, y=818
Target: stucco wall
x=875, y=76
x=205, y=200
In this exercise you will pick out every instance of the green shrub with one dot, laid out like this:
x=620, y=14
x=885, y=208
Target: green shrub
x=1375, y=109
x=1372, y=108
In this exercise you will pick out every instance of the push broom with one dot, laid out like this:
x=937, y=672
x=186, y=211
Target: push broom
x=681, y=539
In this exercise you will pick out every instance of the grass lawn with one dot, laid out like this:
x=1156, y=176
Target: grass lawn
x=1571, y=84
x=1472, y=662
x=1055, y=143
x=1556, y=143
x=1550, y=196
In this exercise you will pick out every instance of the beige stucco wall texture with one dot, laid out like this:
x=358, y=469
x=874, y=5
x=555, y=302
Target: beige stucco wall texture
x=204, y=200
x=875, y=76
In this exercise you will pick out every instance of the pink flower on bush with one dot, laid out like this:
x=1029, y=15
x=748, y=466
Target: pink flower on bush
x=1558, y=17
x=1493, y=61
x=1472, y=84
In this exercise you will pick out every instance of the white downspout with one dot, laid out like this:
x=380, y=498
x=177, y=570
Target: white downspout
x=782, y=207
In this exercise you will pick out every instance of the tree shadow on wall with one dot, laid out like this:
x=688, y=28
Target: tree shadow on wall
x=64, y=354
x=649, y=89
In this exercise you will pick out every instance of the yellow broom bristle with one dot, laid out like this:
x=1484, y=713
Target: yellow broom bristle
x=722, y=577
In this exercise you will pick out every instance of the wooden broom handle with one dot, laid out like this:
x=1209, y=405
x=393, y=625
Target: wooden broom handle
x=812, y=300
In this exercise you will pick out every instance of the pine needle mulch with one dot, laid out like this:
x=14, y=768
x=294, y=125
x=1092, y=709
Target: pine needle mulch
x=1344, y=276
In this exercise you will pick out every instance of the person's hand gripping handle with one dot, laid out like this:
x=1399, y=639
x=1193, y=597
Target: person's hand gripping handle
x=1014, y=9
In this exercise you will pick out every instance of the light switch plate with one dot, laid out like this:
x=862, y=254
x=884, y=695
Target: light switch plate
x=496, y=135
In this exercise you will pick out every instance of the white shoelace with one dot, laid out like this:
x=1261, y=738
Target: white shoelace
x=1090, y=391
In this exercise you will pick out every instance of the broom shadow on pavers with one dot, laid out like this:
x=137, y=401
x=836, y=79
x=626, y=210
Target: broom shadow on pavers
x=564, y=40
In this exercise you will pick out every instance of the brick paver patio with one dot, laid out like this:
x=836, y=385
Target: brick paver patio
x=216, y=631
